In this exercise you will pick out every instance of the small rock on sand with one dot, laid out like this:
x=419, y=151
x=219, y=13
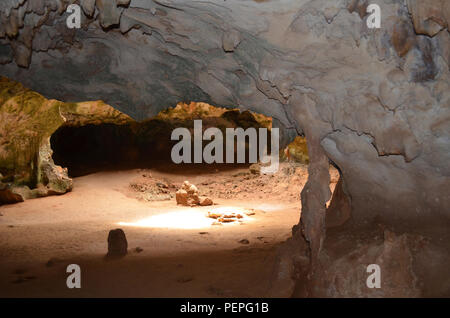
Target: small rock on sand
x=205, y=201
x=117, y=243
x=255, y=168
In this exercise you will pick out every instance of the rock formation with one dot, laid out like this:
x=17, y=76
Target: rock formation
x=31, y=125
x=27, y=120
x=117, y=243
x=189, y=195
x=375, y=102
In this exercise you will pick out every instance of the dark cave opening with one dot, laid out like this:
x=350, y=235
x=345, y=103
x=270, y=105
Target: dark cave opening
x=93, y=148
x=104, y=147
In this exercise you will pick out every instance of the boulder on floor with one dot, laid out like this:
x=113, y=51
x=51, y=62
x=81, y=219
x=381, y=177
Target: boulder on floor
x=117, y=243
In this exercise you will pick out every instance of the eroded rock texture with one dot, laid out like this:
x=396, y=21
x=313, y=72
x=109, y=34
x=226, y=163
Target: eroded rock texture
x=27, y=121
x=374, y=101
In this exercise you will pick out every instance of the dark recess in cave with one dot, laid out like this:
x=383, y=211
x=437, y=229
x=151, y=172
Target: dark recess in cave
x=93, y=148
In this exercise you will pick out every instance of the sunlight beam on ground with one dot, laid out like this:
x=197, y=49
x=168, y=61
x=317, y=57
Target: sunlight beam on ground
x=191, y=218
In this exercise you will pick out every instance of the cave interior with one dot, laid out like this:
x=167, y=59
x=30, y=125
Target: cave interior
x=91, y=93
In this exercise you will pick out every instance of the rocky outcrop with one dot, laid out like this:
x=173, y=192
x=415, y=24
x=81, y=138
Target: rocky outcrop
x=373, y=101
x=349, y=274
x=27, y=120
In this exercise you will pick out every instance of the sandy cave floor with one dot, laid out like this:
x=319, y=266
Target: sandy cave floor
x=182, y=255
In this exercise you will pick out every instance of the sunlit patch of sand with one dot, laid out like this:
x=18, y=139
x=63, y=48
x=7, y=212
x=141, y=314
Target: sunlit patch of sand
x=190, y=218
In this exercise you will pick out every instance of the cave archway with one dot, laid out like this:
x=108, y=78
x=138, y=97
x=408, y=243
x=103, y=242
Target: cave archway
x=92, y=148
x=97, y=147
